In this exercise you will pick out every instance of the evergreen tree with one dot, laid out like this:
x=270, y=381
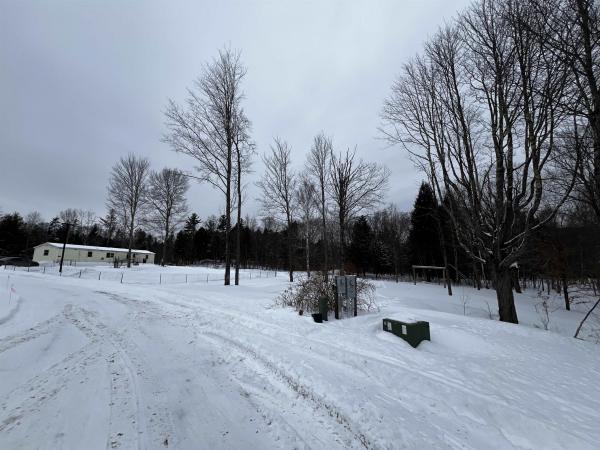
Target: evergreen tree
x=361, y=246
x=13, y=234
x=191, y=224
x=54, y=230
x=424, y=243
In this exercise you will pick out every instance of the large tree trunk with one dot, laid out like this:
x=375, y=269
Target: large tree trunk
x=238, y=248
x=438, y=220
x=565, y=288
x=289, y=245
x=325, y=242
x=342, y=241
x=130, y=245
x=504, y=294
x=446, y=275
x=228, y=220
x=165, y=245
x=307, y=255
x=585, y=23
x=514, y=271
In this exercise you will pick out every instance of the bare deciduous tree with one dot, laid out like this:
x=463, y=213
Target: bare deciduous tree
x=87, y=219
x=70, y=216
x=110, y=223
x=573, y=36
x=244, y=149
x=166, y=195
x=306, y=196
x=318, y=166
x=207, y=128
x=479, y=112
x=356, y=187
x=127, y=193
x=278, y=185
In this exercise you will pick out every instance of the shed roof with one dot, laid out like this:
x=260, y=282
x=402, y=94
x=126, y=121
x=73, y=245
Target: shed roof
x=94, y=248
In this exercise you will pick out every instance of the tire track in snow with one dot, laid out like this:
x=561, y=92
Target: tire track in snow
x=317, y=402
x=13, y=311
x=127, y=404
x=38, y=390
x=124, y=419
x=34, y=332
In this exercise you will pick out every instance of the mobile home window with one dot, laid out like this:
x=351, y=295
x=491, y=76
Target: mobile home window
x=110, y=255
x=46, y=252
x=89, y=254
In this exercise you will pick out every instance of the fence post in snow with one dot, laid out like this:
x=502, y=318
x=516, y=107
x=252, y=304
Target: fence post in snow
x=99, y=275
x=160, y=278
x=79, y=273
x=44, y=269
x=186, y=278
x=121, y=277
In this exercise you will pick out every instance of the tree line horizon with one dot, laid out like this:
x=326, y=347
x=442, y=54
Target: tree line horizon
x=500, y=110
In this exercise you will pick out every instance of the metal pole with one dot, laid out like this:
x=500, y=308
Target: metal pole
x=121, y=277
x=337, y=303
x=62, y=256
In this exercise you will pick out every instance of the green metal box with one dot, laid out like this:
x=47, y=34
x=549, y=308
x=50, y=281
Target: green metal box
x=323, y=307
x=413, y=333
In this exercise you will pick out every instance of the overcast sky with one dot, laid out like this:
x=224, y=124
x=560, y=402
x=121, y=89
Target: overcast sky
x=85, y=82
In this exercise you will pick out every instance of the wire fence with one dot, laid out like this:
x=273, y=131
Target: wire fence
x=140, y=276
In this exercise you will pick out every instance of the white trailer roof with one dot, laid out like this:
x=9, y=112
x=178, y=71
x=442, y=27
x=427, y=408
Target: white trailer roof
x=93, y=248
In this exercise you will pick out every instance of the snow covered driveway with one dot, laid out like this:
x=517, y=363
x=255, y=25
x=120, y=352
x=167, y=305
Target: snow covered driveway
x=88, y=364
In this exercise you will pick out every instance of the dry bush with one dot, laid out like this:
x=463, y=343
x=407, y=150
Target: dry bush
x=305, y=293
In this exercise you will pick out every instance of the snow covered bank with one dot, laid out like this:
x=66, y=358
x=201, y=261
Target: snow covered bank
x=95, y=364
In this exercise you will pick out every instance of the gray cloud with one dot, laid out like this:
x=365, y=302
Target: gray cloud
x=83, y=83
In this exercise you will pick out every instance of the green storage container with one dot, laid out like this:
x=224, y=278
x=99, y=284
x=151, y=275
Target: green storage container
x=323, y=307
x=412, y=332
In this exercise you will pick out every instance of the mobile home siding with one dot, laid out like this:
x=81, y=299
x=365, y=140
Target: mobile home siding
x=50, y=252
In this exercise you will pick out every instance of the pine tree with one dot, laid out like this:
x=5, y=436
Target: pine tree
x=191, y=224
x=361, y=246
x=424, y=242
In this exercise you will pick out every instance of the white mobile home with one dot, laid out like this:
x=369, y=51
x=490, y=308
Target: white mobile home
x=51, y=252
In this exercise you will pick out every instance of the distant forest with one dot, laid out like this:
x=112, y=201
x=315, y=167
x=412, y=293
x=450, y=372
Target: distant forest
x=385, y=243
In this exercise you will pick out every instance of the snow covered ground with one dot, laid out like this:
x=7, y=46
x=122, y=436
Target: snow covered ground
x=88, y=363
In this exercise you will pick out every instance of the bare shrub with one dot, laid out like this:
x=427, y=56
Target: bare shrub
x=305, y=293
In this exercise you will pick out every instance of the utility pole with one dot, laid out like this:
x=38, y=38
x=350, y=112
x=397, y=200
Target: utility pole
x=62, y=256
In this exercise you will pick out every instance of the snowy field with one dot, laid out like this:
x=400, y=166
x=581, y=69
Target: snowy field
x=96, y=364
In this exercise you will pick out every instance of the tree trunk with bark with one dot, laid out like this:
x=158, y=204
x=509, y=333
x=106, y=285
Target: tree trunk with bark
x=504, y=295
